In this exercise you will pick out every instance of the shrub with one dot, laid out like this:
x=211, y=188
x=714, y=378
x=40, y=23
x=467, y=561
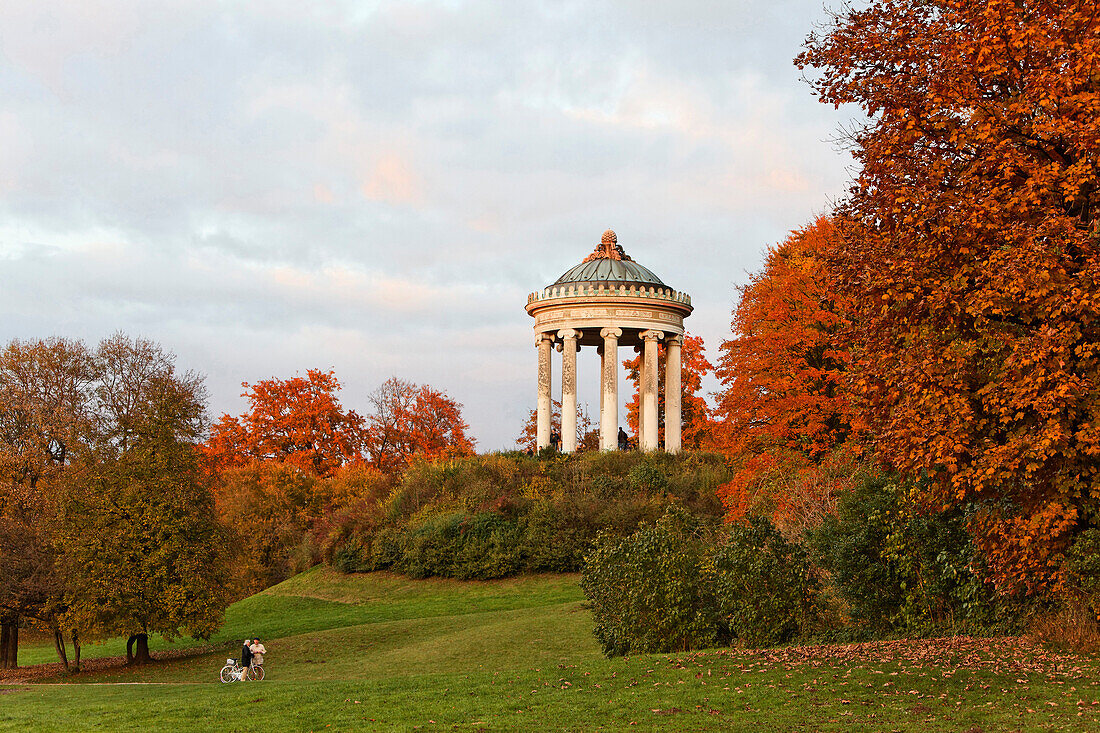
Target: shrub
x=1081, y=574
x=900, y=569
x=430, y=548
x=764, y=587
x=489, y=548
x=1072, y=621
x=648, y=591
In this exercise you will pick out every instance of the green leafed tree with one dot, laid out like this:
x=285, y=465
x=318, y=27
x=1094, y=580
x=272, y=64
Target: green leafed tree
x=144, y=553
x=143, y=550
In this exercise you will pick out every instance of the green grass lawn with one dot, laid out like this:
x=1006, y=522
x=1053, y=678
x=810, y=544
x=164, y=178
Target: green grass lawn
x=382, y=652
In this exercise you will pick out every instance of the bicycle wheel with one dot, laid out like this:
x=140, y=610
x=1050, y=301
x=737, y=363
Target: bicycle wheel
x=256, y=674
x=228, y=674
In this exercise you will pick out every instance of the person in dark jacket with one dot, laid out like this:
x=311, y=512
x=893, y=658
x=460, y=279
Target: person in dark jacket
x=246, y=659
x=624, y=440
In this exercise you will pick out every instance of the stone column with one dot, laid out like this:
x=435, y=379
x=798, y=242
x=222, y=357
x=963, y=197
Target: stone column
x=673, y=418
x=545, y=345
x=569, y=389
x=609, y=409
x=599, y=350
x=648, y=434
x=641, y=380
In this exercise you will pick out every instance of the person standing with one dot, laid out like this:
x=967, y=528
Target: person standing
x=246, y=658
x=258, y=652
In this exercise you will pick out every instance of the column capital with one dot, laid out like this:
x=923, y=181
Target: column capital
x=652, y=335
x=611, y=333
x=675, y=338
x=543, y=337
x=569, y=333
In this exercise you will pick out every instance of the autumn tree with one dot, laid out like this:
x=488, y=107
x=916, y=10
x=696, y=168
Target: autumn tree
x=144, y=552
x=46, y=390
x=30, y=584
x=270, y=507
x=784, y=407
x=298, y=420
x=141, y=548
x=408, y=420
x=695, y=415
x=98, y=449
x=973, y=258
x=783, y=373
x=588, y=437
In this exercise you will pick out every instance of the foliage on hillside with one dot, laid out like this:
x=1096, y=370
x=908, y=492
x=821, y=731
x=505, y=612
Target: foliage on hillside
x=497, y=515
x=879, y=566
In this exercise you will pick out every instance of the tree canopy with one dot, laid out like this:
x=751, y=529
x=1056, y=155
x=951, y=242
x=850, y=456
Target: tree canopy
x=408, y=420
x=972, y=257
x=298, y=420
x=106, y=521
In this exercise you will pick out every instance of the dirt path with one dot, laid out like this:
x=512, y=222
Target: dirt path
x=36, y=672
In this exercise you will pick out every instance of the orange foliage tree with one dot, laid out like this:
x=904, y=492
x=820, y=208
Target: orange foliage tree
x=588, y=436
x=783, y=372
x=974, y=259
x=784, y=407
x=695, y=415
x=408, y=420
x=299, y=421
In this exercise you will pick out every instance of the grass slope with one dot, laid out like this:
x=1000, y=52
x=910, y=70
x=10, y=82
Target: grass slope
x=381, y=652
x=323, y=599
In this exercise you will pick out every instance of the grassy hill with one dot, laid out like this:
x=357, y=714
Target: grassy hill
x=382, y=652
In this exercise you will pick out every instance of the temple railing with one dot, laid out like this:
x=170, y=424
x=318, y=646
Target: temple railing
x=591, y=290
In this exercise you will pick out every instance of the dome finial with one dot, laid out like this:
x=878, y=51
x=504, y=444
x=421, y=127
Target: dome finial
x=608, y=248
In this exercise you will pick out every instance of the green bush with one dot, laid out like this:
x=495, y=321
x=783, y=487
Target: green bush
x=430, y=547
x=678, y=585
x=764, y=587
x=899, y=569
x=350, y=556
x=1082, y=571
x=649, y=591
x=489, y=548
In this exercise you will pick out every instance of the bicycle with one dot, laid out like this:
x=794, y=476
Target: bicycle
x=233, y=672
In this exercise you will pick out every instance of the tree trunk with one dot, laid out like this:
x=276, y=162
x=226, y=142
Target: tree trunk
x=76, y=651
x=9, y=644
x=59, y=644
x=142, y=654
x=130, y=648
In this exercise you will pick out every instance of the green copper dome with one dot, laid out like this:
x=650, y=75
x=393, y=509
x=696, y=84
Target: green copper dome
x=609, y=263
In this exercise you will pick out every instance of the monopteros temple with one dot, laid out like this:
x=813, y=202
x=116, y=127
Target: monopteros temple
x=608, y=301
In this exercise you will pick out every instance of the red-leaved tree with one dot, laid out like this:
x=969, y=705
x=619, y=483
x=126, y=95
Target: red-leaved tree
x=695, y=421
x=299, y=421
x=408, y=420
x=784, y=407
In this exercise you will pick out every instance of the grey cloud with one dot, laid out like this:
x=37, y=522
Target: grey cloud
x=159, y=161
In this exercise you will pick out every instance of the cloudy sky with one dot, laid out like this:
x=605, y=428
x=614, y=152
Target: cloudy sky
x=375, y=186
